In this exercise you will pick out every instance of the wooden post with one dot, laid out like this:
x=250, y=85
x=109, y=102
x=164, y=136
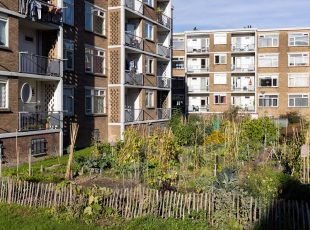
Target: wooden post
x=17, y=153
x=1, y=146
x=73, y=134
x=29, y=161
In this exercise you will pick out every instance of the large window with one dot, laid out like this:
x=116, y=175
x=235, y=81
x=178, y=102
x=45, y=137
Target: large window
x=68, y=102
x=94, y=19
x=220, y=78
x=4, y=31
x=298, y=80
x=298, y=100
x=268, y=60
x=38, y=147
x=268, y=80
x=68, y=12
x=149, y=98
x=3, y=94
x=149, y=31
x=178, y=62
x=220, y=39
x=94, y=60
x=298, y=59
x=95, y=101
x=149, y=2
x=220, y=99
x=220, y=58
x=149, y=65
x=178, y=44
x=68, y=54
x=298, y=39
x=268, y=40
x=268, y=100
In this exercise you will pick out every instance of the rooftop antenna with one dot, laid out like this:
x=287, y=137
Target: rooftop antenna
x=195, y=28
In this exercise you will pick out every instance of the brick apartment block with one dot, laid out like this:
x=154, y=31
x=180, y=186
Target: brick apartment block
x=104, y=64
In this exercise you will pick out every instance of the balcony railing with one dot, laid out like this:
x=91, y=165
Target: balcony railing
x=134, y=5
x=201, y=88
x=245, y=68
x=197, y=50
x=243, y=89
x=245, y=109
x=163, y=50
x=198, y=69
x=196, y=108
x=133, y=78
x=35, y=64
x=134, y=41
x=243, y=48
x=42, y=11
x=132, y=115
x=30, y=121
x=163, y=82
x=163, y=114
x=164, y=20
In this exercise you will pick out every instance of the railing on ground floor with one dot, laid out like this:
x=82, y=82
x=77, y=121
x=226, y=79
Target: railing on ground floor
x=163, y=113
x=31, y=121
x=133, y=115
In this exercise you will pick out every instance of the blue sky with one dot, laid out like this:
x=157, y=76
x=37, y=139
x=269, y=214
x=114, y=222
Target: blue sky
x=228, y=14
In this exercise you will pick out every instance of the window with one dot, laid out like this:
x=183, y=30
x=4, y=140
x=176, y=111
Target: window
x=68, y=12
x=268, y=80
x=148, y=30
x=220, y=98
x=178, y=63
x=94, y=60
x=298, y=59
x=220, y=39
x=268, y=100
x=178, y=44
x=38, y=147
x=149, y=65
x=4, y=33
x=268, y=40
x=149, y=2
x=298, y=39
x=298, y=80
x=220, y=78
x=268, y=60
x=220, y=58
x=298, y=100
x=68, y=100
x=68, y=54
x=95, y=101
x=3, y=94
x=149, y=98
x=94, y=19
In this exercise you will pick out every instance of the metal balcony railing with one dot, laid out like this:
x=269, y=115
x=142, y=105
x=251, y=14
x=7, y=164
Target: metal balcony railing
x=42, y=11
x=244, y=68
x=163, y=50
x=197, y=49
x=134, y=5
x=163, y=113
x=201, y=88
x=30, y=121
x=249, y=88
x=245, y=109
x=163, y=82
x=132, y=115
x=243, y=48
x=198, y=69
x=35, y=64
x=133, y=78
x=196, y=108
x=134, y=41
x=164, y=20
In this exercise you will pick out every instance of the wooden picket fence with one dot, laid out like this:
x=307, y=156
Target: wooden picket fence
x=141, y=201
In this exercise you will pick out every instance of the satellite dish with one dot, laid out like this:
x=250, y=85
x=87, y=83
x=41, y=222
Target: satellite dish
x=26, y=93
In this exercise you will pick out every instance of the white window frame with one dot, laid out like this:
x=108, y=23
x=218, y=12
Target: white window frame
x=149, y=65
x=149, y=30
x=272, y=60
x=220, y=59
x=179, y=60
x=68, y=47
x=178, y=40
x=294, y=76
x=292, y=60
x=220, y=79
x=274, y=40
x=220, y=95
x=95, y=52
x=296, y=35
x=150, y=98
x=220, y=38
x=303, y=95
x=68, y=6
x=6, y=20
x=149, y=2
x=6, y=82
x=270, y=76
x=66, y=101
x=93, y=90
x=100, y=13
x=266, y=97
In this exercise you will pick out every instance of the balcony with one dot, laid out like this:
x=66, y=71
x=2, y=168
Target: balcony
x=164, y=82
x=134, y=41
x=163, y=114
x=197, y=50
x=244, y=68
x=164, y=20
x=40, y=11
x=35, y=64
x=243, y=47
x=163, y=50
x=134, y=115
x=198, y=109
x=132, y=78
x=245, y=89
x=245, y=109
x=198, y=69
x=134, y=5
x=198, y=89
x=32, y=121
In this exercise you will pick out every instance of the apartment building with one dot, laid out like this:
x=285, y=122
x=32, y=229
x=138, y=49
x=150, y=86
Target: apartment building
x=263, y=72
x=104, y=64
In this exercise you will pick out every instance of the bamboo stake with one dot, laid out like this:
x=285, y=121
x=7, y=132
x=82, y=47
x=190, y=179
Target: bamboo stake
x=73, y=134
